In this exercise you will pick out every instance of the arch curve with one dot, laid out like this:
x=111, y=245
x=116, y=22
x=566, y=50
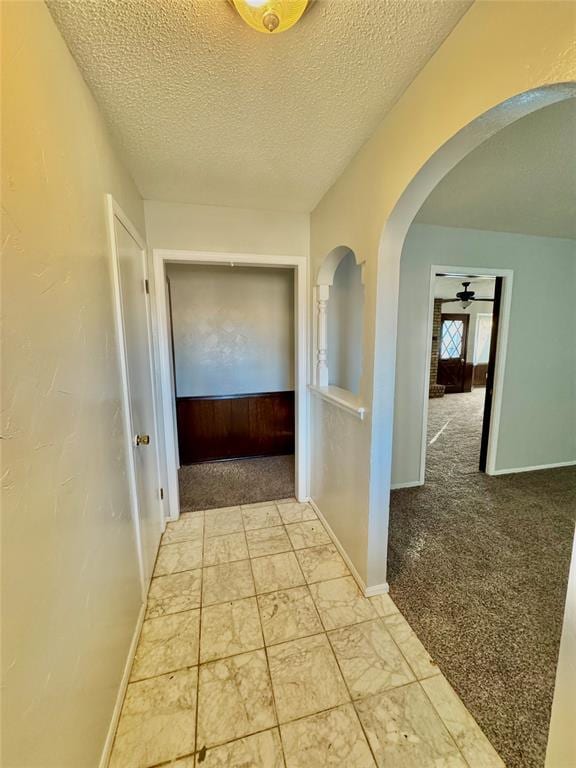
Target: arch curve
x=391, y=243
x=331, y=262
x=324, y=282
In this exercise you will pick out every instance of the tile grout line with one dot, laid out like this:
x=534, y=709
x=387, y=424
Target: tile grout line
x=281, y=642
x=306, y=585
x=275, y=706
x=352, y=699
x=199, y=647
x=376, y=617
x=345, y=683
x=445, y=724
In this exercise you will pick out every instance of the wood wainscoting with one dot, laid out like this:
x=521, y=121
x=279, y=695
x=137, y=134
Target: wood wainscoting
x=480, y=374
x=235, y=426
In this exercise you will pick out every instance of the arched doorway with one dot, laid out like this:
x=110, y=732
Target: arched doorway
x=486, y=580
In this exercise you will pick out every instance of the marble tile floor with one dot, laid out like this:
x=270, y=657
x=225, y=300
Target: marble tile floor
x=258, y=650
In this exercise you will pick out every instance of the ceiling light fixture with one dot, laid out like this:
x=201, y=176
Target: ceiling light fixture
x=270, y=16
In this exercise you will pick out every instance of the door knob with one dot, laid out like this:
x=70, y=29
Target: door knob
x=142, y=440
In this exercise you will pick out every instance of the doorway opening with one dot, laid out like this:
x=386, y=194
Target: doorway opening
x=232, y=336
x=464, y=326
x=232, y=344
x=465, y=564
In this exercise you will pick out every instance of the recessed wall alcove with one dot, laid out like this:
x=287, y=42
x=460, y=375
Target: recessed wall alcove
x=339, y=321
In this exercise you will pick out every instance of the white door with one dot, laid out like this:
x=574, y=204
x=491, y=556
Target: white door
x=131, y=275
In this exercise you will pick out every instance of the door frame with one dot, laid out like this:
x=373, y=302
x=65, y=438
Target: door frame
x=500, y=363
x=299, y=264
x=115, y=212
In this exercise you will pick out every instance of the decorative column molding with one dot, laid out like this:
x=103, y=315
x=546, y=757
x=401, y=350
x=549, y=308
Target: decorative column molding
x=322, y=295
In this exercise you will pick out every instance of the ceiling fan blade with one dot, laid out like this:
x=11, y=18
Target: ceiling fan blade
x=480, y=299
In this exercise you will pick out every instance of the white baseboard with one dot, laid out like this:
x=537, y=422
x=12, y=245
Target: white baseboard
x=409, y=484
x=377, y=589
x=105, y=757
x=514, y=470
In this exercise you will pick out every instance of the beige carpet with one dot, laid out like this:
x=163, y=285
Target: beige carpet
x=479, y=567
x=240, y=481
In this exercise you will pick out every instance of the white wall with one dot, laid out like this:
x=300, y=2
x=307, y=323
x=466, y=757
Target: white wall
x=212, y=228
x=233, y=329
x=538, y=420
x=71, y=591
x=345, y=325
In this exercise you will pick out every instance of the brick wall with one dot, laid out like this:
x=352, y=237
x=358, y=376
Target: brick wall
x=436, y=321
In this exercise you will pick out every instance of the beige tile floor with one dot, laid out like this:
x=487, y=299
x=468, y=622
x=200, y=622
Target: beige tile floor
x=259, y=651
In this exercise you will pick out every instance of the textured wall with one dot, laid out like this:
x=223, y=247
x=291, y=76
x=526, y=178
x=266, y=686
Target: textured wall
x=538, y=418
x=71, y=590
x=213, y=228
x=233, y=329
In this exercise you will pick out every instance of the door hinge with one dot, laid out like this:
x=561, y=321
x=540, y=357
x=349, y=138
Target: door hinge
x=146, y=286
x=162, y=493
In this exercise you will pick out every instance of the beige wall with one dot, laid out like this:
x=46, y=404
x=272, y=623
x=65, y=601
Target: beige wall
x=562, y=740
x=233, y=329
x=71, y=591
x=475, y=74
x=183, y=226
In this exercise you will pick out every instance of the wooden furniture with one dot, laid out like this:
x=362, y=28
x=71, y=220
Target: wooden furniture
x=235, y=426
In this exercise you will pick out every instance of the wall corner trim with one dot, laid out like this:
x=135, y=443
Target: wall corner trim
x=109, y=742
x=514, y=470
x=377, y=589
x=407, y=484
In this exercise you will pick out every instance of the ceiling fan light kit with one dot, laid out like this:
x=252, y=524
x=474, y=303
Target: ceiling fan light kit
x=271, y=16
x=466, y=297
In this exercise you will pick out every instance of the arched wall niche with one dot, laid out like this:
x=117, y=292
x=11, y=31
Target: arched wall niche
x=393, y=236
x=339, y=324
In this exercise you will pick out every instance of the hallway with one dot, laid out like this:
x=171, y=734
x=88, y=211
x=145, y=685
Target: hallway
x=479, y=566
x=258, y=649
x=230, y=232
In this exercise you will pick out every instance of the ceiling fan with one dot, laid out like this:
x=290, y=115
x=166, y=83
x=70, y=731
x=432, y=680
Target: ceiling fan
x=466, y=297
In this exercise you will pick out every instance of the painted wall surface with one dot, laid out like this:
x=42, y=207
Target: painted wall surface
x=334, y=474
x=237, y=230
x=71, y=592
x=475, y=309
x=345, y=322
x=538, y=418
x=233, y=329
x=561, y=742
x=478, y=72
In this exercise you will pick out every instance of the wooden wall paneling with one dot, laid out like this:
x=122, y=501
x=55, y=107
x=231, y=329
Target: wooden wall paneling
x=236, y=426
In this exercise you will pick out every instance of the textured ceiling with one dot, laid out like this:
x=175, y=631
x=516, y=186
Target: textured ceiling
x=523, y=179
x=206, y=110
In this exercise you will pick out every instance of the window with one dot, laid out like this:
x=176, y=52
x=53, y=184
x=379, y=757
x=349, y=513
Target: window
x=483, y=335
x=451, y=339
